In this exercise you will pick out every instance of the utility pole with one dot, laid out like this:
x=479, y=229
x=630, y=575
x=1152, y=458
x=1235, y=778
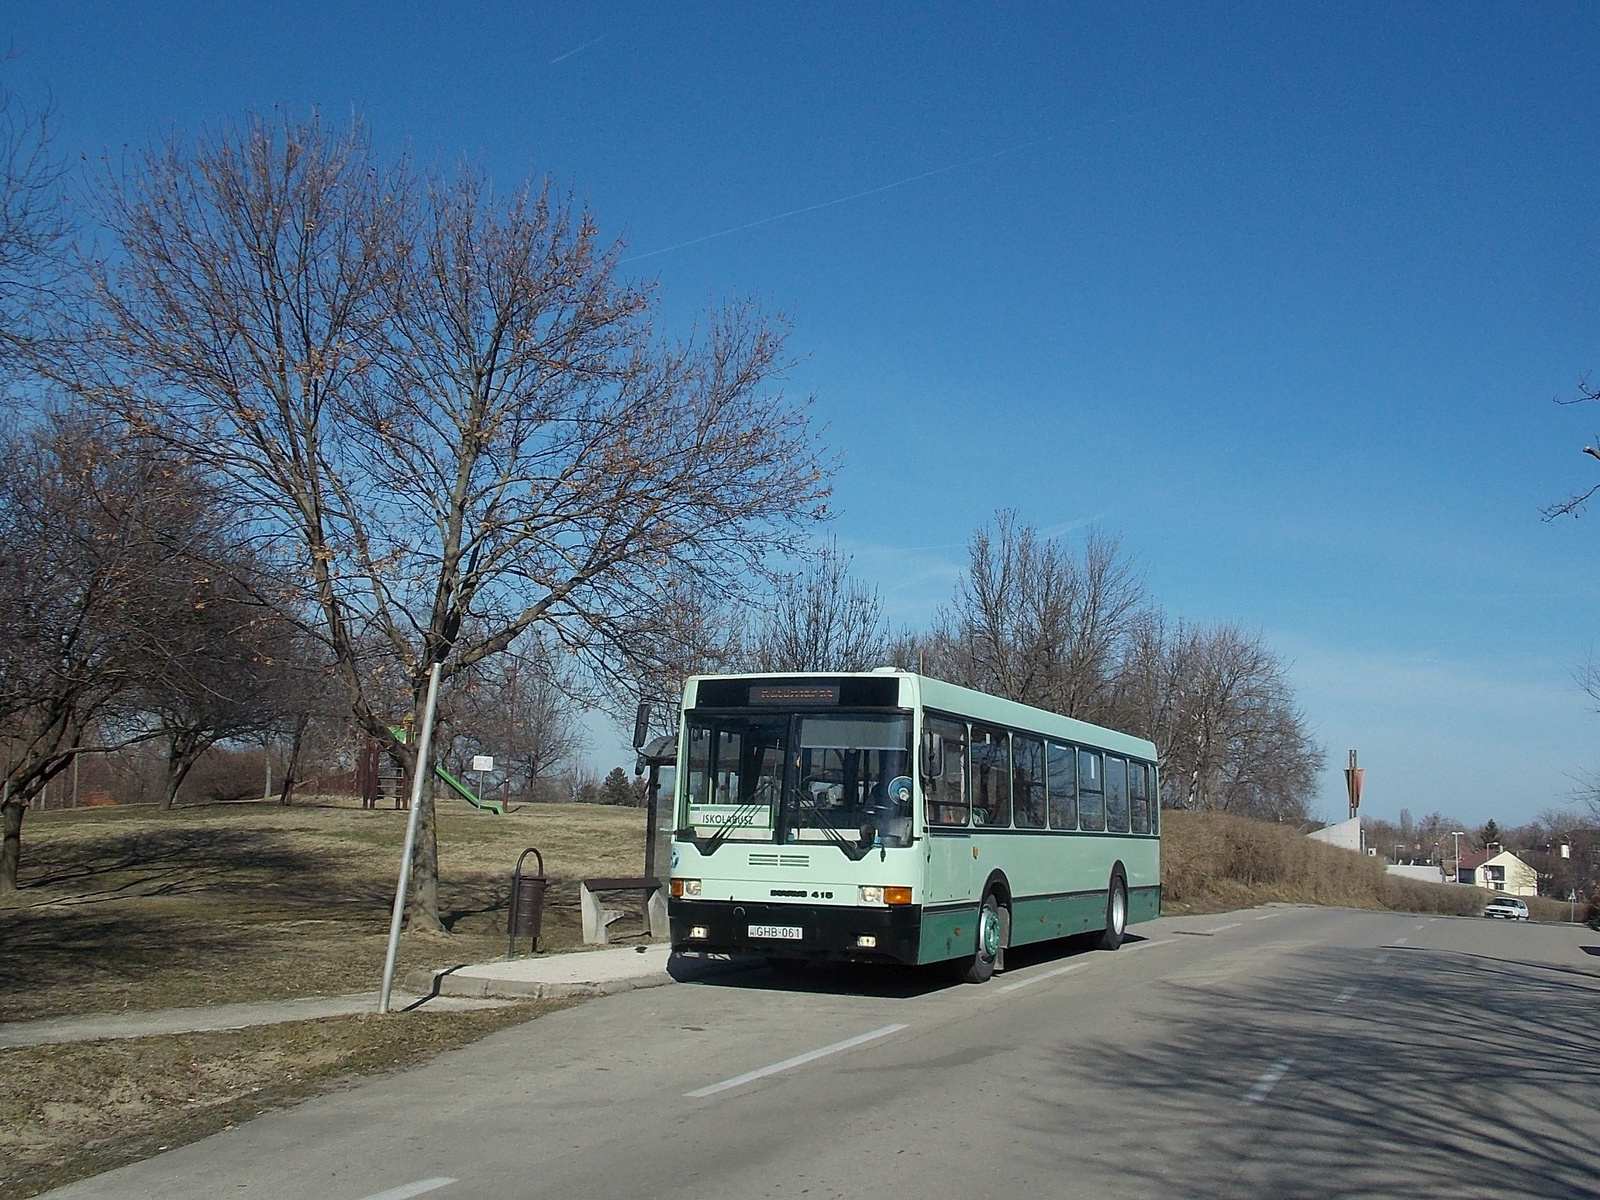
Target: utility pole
x=1456, y=833
x=511, y=726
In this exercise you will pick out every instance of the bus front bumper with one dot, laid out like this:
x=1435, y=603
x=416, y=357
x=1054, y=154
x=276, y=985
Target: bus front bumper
x=825, y=931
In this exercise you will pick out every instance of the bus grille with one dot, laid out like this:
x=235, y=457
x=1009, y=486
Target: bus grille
x=779, y=860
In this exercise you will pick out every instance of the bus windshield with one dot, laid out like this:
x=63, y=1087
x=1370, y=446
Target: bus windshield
x=801, y=777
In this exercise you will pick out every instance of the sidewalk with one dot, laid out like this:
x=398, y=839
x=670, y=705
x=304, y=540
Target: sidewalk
x=584, y=973
x=206, y=1018
x=553, y=976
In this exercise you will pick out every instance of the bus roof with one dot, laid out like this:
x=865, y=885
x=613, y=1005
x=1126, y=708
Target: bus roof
x=968, y=702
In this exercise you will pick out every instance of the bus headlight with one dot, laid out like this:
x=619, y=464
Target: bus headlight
x=872, y=895
x=685, y=887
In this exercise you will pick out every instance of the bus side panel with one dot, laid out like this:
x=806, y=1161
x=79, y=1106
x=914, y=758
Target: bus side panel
x=1141, y=859
x=948, y=933
x=1047, y=917
x=1144, y=903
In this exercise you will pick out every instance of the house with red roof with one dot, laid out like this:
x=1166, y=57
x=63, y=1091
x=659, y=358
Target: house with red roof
x=1497, y=870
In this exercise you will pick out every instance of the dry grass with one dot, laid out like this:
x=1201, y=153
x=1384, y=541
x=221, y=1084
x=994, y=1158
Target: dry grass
x=131, y=908
x=70, y=1111
x=1212, y=861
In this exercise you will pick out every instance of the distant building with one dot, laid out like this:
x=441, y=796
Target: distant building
x=1429, y=873
x=1498, y=870
x=1344, y=834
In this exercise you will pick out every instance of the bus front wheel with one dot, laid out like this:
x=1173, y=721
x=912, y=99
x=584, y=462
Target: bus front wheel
x=1116, y=914
x=993, y=925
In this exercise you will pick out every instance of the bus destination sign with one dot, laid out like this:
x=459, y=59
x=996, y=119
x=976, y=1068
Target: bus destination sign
x=794, y=693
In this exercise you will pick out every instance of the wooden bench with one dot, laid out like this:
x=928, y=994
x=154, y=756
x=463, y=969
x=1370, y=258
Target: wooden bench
x=597, y=919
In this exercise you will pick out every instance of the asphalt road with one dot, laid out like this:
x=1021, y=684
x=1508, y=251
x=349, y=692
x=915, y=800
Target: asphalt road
x=1274, y=1052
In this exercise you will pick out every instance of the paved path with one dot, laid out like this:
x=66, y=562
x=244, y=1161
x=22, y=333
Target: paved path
x=591, y=973
x=98, y=1026
x=1275, y=1052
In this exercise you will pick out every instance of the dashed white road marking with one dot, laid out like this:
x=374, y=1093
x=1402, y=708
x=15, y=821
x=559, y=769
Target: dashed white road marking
x=1420, y=925
x=1400, y=941
x=1147, y=945
x=1345, y=995
x=796, y=1061
x=1268, y=1081
x=1032, y=979
x=1380, y=960
x=1225, y=928
x=1268, y=916
x=417, y=1188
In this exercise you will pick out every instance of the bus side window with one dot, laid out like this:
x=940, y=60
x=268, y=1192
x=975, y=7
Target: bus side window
x=1091, y=791
x=1062, y=784
x=946, y=794
x=1116, y=795
x=1155, y=800
x=991, y=776
x=1027, y=769
x=1139, y=797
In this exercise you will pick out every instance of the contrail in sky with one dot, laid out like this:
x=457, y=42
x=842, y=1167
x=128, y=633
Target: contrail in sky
x=898, y=183
x=576, y=50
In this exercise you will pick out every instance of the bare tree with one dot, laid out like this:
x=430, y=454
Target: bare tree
x=87, y=532
x=521, y=708
x=820, y=619
x=34, y=227
x=1035, y=622
x=447, y=404
x=1218, y=705
x=1573, y=505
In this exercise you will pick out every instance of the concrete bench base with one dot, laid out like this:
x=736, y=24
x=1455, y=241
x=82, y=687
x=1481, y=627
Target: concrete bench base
x=597, y=919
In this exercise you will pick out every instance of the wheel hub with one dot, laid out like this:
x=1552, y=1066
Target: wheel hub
x=989, y=933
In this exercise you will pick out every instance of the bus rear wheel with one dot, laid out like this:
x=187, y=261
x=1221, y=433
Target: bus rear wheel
x=1116, y=915
x=993, y=925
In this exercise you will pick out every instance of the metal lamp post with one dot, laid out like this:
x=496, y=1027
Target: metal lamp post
x=404, y=884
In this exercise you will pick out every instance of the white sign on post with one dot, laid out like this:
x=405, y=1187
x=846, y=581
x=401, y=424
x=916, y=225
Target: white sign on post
x=483, y=762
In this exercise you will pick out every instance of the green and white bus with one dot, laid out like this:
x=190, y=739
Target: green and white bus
x=889, y=817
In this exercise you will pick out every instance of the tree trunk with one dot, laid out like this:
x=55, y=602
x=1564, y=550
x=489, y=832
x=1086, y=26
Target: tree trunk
x=423, y=910
x=182, y=753
x=11, y=847
x=287, y=795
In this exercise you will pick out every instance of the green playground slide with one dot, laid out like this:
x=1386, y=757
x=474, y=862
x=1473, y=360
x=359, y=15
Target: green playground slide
x=461, y=789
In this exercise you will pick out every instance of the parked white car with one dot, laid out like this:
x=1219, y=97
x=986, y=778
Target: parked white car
x=1507, y=908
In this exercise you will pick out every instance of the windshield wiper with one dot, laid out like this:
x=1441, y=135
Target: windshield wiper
x=854, y=851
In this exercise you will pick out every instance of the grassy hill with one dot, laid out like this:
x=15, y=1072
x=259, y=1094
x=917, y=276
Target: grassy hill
x=1213, y=861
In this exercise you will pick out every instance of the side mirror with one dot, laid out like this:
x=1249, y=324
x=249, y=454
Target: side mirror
x=932, y=755
x=641, y=725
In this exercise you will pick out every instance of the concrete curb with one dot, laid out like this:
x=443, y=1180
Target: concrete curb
x=447, y=982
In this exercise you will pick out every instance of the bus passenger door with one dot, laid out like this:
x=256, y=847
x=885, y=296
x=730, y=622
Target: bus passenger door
x=947, y=840
x=949, y=866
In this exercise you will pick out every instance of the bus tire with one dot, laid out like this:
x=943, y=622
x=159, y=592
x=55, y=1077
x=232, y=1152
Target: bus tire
x=991, y=937
x=1116, y=915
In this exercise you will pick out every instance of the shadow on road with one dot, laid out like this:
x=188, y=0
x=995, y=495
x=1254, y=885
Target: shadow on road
x=882, y=981
x=1439, y=1073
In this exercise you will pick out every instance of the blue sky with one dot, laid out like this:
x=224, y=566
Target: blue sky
x=1281, y=293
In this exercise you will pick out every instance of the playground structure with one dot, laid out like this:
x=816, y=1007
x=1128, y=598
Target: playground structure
x=378, y=775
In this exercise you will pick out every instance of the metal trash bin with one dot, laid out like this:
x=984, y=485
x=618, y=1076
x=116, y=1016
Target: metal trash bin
x=527, y=903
